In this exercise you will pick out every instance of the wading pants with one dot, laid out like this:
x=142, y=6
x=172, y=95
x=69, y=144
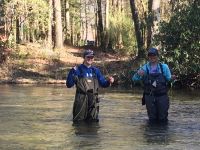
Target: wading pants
x=157, y=107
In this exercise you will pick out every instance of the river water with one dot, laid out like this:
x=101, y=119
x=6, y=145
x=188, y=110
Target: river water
x=39, y=118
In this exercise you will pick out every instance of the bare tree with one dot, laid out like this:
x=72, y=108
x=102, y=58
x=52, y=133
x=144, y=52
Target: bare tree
x=66, y=23
x=86, y=20
x=135, y=17
x=100, y=30
x=107, y=25
x=149, y=23
x=156, y=15
x=58, y=24
x=153, y=20
x=50, y=23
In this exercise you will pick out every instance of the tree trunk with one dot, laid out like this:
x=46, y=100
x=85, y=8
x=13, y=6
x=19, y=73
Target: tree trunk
x=72, y=30
x=149, y=23
x=58, y=25
x=2, y=20
x=67, y=22
x=107, y=25
x=100, y=33
x=135, y=17
x=153, y=20
x=28, y=32
x=50, y=24
x=18, y=32
x=96, y=24
x=86, y=22
x=156, y=15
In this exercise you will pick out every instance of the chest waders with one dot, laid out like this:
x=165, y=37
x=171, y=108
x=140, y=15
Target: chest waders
x=86, y=104
x=155, y=96
x=155, y=84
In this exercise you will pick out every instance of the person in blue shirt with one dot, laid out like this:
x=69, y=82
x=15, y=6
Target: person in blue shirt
x=155, y=76
x=87, y=79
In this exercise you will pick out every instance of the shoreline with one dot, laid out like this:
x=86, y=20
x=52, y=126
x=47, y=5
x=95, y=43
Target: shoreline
x=30, y=81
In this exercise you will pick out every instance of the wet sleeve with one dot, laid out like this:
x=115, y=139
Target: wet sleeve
x=101, y=79
x=70, y=79
x=167, y=72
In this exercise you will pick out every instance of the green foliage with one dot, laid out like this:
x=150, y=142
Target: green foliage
x=122, y=25
x=32, y=14
x=38, y=12
x=180, y=40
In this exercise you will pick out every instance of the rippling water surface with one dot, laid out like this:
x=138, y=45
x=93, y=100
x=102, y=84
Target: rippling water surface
x=39, y=118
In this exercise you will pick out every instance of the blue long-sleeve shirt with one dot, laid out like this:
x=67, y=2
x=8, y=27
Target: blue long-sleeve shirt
x=165, y=68
x=87, y=72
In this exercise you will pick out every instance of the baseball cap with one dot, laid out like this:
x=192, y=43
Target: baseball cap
x=88, y=52
x=153, y=51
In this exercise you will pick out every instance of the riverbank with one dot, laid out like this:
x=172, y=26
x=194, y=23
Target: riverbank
x=35, y=64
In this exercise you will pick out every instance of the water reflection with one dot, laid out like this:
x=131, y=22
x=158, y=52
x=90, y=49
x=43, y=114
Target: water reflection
x=85, y=136
x=155, y=133
x=86, y=128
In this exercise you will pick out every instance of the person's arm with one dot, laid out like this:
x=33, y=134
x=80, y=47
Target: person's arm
x=101, y=79
x=70, y=80
x=140, y=73
x=167, y=72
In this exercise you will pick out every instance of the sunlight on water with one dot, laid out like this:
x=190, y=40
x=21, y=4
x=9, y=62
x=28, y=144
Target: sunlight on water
x=39, y=118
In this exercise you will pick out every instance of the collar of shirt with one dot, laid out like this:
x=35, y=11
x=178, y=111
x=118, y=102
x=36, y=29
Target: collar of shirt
x=87, y=71
x=154, y=68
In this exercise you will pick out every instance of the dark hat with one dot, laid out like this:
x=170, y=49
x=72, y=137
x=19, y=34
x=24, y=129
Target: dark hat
x=153, y=51
x=88, y=52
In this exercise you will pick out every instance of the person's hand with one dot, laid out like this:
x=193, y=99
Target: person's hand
x=111, y=79
x=173, y=77
x=140, y=72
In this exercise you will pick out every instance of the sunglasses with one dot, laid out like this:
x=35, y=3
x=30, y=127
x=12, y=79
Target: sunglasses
x=152, y=55
x=89, y=57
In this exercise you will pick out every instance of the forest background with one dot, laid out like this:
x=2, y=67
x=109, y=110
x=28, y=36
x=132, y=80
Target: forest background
x=40, y=40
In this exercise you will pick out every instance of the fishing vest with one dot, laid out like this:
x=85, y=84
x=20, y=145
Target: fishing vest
x=86, y=99
x=155, y=83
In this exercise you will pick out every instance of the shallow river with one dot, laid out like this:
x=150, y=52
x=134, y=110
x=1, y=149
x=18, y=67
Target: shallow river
x=39, y=118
